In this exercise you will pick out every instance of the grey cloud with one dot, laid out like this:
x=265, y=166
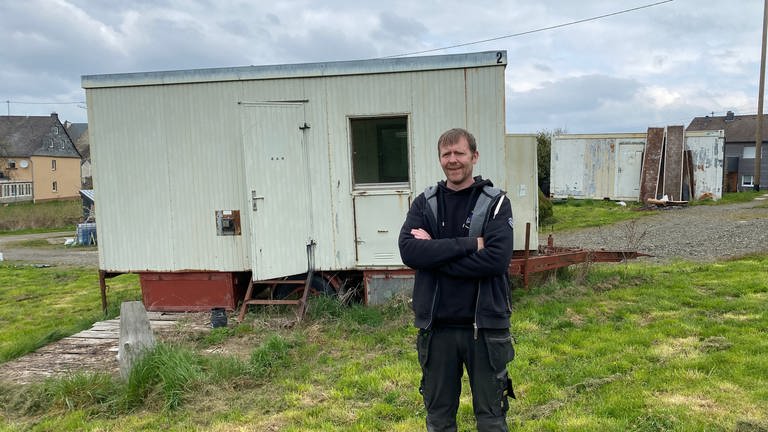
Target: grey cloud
x=321, y=45
x=394, y=26
x=273, y=19
x=584, y=92
x=593, y=104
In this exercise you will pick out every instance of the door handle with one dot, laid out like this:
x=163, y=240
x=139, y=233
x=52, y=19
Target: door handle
x=254, y=199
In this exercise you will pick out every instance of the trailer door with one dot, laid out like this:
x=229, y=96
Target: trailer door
x=628, y=166
x=380, y=171
x=278, y=188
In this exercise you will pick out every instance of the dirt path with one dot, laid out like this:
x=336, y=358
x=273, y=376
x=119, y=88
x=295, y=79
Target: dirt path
x=57, y=254
x=700, y=233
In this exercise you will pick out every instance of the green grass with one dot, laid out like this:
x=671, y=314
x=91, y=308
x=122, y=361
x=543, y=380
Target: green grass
x=41, y=305
x=573, y=214
x=576, y=213
x=733, y=197
x=34, y=243
x=24, y=218
x=620, y=347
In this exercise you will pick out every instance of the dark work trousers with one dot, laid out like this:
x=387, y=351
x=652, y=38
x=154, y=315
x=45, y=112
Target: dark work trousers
x=443, y=354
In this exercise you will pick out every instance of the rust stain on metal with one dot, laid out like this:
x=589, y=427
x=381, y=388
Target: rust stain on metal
x=651, y=164
x=550, y=257
x=673, y=162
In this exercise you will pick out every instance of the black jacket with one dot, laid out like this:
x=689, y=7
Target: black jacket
x=460, y=259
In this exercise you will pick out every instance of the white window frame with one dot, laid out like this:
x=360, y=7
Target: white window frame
x=53, y=164
x=748, y=152
x=55, y=186
x=381, y=185
x=751, y=181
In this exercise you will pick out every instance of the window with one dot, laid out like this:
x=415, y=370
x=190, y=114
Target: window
x=12, y=164
x=747, y=180
x=748, y=153
x=379, y=150
x=53, y=164
x=55, y=130
x=55, y=187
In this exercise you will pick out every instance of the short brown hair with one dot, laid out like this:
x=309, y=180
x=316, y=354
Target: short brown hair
x=453, y=136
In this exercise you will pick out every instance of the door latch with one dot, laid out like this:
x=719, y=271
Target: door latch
x=254, y=199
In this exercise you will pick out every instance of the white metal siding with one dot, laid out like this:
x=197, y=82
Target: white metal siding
x=167, y=156
x=707, y=151
x=523, y=187
x=585, y=166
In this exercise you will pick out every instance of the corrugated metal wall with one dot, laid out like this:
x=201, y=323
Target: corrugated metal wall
x=590, y=166
x=707, y=150
x=166, y=157
x=523, y=187
x=585, y=166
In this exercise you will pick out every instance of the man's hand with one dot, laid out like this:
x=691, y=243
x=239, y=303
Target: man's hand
x=420, y=234
x=480, y=243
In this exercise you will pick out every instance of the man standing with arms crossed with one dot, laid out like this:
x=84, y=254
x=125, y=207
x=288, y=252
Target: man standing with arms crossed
x=458, y=238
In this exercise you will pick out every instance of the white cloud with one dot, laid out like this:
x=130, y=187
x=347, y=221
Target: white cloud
x=661, y=97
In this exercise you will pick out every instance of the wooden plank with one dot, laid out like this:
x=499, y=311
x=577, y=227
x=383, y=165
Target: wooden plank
x=673, y=163
x=691, y=183
x=96, y=335
x=651, y=163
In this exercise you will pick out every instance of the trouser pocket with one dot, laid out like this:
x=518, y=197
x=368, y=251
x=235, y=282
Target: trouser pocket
x=500, y=352
x=423, y=340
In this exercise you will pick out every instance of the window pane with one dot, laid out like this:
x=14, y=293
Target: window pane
x=748, y=153
x=380, y=150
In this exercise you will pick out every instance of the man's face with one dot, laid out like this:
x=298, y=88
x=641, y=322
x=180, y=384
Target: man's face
x=457, y=161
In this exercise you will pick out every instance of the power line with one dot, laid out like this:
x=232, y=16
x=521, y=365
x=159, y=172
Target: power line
x=533, y=31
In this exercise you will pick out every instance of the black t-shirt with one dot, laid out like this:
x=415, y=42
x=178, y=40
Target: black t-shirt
x=456, y=296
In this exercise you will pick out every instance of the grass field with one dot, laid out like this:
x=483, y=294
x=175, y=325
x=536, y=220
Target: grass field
x=40, y=305
x=618, y=347
x=572, y=214
x=576, y=213
x=22, y=218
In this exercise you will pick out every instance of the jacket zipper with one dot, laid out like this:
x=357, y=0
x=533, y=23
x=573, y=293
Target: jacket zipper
x=432, y=309
x=477, y=299
x=477, y=305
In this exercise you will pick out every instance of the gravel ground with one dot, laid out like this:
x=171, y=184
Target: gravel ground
x=55, y=255
x=699, y=233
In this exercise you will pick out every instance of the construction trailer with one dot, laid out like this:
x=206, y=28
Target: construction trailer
x=208, y=179
x=609, y=166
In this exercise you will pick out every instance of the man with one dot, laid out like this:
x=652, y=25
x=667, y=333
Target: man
x=458, y=238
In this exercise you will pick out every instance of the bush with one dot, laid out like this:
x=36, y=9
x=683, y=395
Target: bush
x=546, y=213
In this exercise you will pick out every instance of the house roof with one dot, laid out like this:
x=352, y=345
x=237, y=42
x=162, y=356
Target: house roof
x=737, y=128
x=88, y=193
x=25, y=136
x=75, y=130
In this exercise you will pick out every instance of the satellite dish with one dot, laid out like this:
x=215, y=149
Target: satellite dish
x=24, y=163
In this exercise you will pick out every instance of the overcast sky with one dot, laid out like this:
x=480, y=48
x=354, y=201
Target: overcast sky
x=655, y=66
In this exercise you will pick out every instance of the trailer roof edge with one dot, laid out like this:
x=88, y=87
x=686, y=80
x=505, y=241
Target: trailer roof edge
x=301, y=70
